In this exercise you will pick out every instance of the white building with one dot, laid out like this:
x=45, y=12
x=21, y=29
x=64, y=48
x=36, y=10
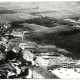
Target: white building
x=27, y=55
x=30, y=46
x=17, y=33
x=29, y=76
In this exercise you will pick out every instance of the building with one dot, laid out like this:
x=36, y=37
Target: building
x=47, y=48
x=49, y=54
x=27, y=55
x=15, y=65
x=42, y=62
x=10, y=74
x=77, y=63
x=41, y=73
x=29, y=76
x=68, y=64
x=43, y=59
x=17, y=33
x=30, y=46
x=7, y=67
x=21, y=69
x=60, y=63
x=50, y=61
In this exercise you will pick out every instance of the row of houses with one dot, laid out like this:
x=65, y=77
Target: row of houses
x=44, y=64
x=54, y=62
x=20, y=33
x=48, y=60
x=32, y=46
x=36, y=72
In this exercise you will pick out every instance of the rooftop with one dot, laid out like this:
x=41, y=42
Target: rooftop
x=45, y=73
x=27, y=53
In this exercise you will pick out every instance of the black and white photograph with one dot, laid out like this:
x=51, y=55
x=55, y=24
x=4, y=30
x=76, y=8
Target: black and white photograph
x=39, y=39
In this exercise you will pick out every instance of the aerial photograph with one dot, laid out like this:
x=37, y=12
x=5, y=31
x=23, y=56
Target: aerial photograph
x=40, y=40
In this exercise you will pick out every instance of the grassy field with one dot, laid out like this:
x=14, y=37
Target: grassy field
x=68, y=40
x=30, y=10
x=34, y=27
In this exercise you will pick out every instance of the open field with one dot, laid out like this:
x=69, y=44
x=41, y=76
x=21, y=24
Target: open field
x=30, y=10
x=34, y=27
x=68, y=40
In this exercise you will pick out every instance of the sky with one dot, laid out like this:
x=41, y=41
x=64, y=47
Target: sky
x=35, y=0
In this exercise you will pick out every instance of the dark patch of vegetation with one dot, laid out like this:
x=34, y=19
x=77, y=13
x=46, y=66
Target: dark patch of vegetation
x=66, y=33
x=34, y=13
x=6, y=12
x=75, y=18
x=44, y=21
x=49, y=22
x=68, y=40
x=17, y=25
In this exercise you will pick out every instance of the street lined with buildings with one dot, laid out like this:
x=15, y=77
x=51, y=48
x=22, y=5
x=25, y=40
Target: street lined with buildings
x=34, y=61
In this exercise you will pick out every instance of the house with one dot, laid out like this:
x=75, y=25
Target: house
x=30, y=46
x=26, y=32
x=43, y=59
x=41, y=62
x=29, y=76
x=17, y=33
x=16, y=48
x=47, y=48
x=61, y=63
x=7, y=66
x=20, y=33
x=49, y=54
x=41, y=73
x=27, y=55
x=50, y=62
x=77, y=62
x=68, y=64
x=10, y=74
x=21, y=70
x=18, y=70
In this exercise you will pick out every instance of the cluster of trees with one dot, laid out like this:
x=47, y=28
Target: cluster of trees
x=75, y=18
x=5, y=27
x=49, y=22
x=44, y=21
x=17, y=25
x=10, y=53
